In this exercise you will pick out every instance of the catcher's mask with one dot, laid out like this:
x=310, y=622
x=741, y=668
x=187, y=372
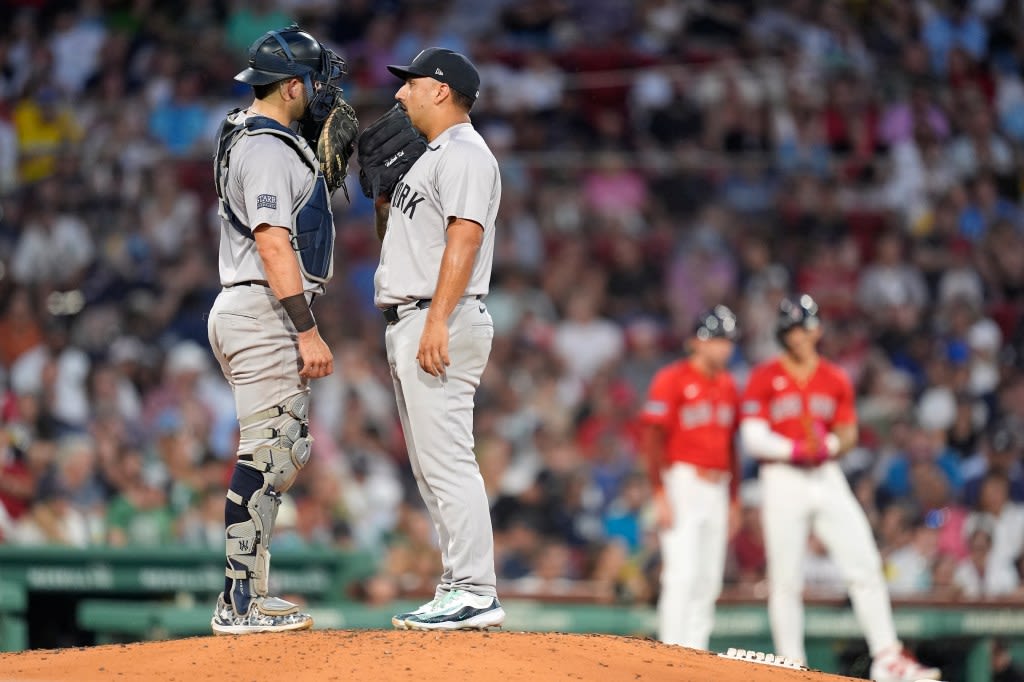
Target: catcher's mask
x=717, y=323
x=803, y=312
x=292, y=53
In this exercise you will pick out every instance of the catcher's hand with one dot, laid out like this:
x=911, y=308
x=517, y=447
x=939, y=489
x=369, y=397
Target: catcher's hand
x=387, y=149
x=336, y=143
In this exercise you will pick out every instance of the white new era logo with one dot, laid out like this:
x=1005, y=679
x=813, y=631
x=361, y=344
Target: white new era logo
x=438, y=72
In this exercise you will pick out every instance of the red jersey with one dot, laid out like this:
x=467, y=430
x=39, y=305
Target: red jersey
x=698, y=413
x=774, y=395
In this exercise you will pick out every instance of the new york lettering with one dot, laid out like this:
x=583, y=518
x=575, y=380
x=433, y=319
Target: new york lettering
x=406, y=199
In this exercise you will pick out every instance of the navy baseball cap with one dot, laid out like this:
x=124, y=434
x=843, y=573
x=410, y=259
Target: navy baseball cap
x=443, y=65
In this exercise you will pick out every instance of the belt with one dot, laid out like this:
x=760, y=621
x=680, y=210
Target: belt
x=391, y=312
x=712, y=475
x=709, y=474
x=249, y=283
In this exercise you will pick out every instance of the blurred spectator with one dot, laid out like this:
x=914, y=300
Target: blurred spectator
x=52, y=520
x=138, y=515
x=984, y=575
x=623, y=520
x=55, y=372
x=980, y=146
x=952, y=25
x=20, y=330
x=55, y=248
x=247, y=21
x=182, y=124
x=75, y=41
x=1003, y=518
x=170, y=214
x=45, y=128
x=1000, y=454
x=891, y=289
x=908, y=569
x=820, y=573
x=584, y=341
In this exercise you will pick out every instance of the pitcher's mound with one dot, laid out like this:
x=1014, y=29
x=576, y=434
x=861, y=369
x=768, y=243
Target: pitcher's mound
x=382, y=656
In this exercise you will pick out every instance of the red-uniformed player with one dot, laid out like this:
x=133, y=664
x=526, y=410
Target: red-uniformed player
x=798, y=417
x=689, y=423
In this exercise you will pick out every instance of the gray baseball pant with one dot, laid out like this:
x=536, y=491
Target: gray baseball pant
x=257, y=348
x=437, y=419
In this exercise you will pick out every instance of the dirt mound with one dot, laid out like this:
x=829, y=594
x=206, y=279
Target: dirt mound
x=381, y=656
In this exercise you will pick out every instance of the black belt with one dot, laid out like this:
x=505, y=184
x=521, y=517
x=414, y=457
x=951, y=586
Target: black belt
x=391, y=312
x=249, y=283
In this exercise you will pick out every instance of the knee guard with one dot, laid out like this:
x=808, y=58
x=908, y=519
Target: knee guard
x=254, y=496
x=290, y=446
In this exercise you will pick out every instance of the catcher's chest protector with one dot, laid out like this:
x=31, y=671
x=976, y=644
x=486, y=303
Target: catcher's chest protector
x=313, y=224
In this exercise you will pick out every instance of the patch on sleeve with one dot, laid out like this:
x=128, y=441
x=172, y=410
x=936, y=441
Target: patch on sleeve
x=267, y=201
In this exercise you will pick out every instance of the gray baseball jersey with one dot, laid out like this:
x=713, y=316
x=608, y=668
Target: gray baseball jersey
x=456, y=177
x=267, y=183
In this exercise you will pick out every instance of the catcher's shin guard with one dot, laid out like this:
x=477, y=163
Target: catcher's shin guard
x=254, y=496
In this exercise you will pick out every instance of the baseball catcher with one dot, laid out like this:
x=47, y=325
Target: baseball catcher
x=387, y=150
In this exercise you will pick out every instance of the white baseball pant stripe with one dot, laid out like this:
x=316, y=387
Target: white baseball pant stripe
x=437, y=420
x=796, y=501
x=693, y=556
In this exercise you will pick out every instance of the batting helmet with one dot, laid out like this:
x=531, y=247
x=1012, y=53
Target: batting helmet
x=803, y=312
x=717, y=323
x=292, y=53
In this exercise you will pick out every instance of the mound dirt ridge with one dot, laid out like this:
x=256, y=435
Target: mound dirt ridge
x=385, y=655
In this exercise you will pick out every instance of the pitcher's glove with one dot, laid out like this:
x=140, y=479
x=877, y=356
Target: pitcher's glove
x=336, y=143
x=387, y=149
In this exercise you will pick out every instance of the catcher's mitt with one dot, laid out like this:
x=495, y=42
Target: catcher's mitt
x=387, y=149
x=336, y=143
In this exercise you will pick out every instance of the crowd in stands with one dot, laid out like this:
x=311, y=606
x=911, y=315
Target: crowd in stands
x=658, y=157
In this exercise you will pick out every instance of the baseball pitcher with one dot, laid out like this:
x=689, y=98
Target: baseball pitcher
x=436, y=218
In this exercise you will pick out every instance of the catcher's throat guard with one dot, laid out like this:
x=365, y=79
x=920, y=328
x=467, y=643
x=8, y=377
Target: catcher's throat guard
x=313, y=223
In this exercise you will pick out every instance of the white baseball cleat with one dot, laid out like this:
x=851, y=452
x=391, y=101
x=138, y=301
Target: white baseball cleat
x=896, y=664
x=398, y=620
x=458, y=610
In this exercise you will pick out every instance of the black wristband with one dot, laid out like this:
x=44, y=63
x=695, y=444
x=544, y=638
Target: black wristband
x=299, y=312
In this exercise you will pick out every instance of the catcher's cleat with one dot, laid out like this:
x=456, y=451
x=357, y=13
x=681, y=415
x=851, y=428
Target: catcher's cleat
x=266, y=614
x=459, y=610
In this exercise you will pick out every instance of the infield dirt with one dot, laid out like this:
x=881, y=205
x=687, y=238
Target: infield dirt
x=384, y=655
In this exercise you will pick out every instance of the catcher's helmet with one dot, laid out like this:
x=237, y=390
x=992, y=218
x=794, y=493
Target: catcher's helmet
x=803, y=312
x=292, y=53
x=717, y=323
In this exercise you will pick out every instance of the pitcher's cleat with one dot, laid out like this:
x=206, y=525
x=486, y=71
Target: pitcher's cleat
x=458, y=610
x=398, y=620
